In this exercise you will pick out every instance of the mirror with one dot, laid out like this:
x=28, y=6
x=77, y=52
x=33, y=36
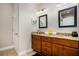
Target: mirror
x=68, y=17
x=43, y=21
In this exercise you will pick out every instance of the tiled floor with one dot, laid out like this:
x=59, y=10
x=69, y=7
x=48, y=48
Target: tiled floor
x=30, y=53
x=12, y=52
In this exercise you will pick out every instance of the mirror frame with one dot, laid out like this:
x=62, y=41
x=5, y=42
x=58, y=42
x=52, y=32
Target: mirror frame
x=45, y=22
x=75, y=17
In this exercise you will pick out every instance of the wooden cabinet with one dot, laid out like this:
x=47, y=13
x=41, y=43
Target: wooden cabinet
x=46, y=47
x=36, y=43
x=70, y=51
x=57, y=50
x=66, y=42
x=55, y=46
x=43, y=48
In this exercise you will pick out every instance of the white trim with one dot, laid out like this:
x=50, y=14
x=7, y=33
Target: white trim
x=24, y=52
x=5, y=48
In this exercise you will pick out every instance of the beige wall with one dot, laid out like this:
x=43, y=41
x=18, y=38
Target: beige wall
x=5, y=25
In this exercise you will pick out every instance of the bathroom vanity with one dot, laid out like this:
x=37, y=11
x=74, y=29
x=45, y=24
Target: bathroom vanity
x=55, y=45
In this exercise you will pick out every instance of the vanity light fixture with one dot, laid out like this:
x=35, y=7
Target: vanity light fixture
x=60, y=4
x=43, y=10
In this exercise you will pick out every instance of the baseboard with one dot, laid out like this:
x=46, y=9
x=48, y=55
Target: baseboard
x=6, y=48
x=24, y=52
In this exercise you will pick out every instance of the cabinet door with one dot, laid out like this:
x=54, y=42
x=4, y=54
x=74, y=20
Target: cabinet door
x=57, y=50
x=66, y=42
x=48, y=48
x=34, y=43
x=38, y=45
x=43, y=48
x=70, y=51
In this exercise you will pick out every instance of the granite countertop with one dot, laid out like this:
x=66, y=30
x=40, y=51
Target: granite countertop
x=58, y=36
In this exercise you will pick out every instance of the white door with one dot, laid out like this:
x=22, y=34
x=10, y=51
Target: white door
x=16, y=27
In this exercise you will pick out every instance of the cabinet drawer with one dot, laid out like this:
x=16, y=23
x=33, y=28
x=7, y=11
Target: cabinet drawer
x=33, y=36
x=66, y=42
x=39, y=38
x=48, y=45
x=47, y=39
